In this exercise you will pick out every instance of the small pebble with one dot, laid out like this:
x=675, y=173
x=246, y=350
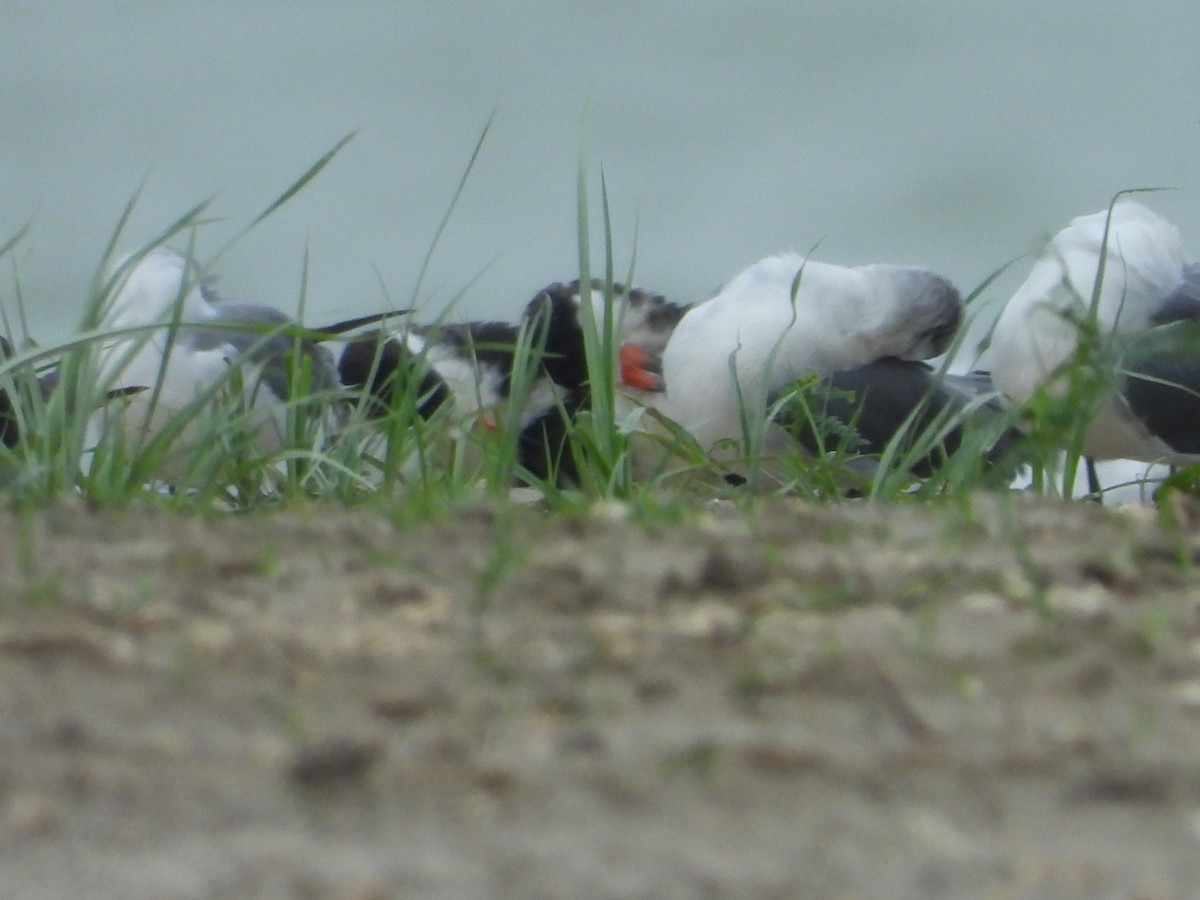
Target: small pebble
x=32, y=815
x=338, y=760
x=409, y=707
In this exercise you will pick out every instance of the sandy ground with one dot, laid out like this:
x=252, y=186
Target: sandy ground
x=996, y=698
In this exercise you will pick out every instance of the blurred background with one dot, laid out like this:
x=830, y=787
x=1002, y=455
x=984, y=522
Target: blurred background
x=941, y=133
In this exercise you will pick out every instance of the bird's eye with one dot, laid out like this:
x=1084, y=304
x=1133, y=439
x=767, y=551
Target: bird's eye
x=940, y=335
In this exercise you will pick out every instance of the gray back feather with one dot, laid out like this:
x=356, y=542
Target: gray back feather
x=267, y=337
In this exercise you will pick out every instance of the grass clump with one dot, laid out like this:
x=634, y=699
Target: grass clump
x=221, y=449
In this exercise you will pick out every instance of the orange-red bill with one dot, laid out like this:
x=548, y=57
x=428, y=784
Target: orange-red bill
x=639, y=369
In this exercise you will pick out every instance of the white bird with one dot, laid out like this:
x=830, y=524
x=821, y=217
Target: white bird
x=1144, y=379
x=213, y=338
x=785, y=317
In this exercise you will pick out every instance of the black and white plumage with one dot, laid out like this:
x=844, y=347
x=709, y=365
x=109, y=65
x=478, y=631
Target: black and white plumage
x=465, y=371
x=1145, y=316
x=463, y=364
x=642, y=324
x=471, y=366
x=213, y=337
x=786, y=317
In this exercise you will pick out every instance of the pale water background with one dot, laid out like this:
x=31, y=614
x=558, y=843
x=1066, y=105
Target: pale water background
x=952, y=134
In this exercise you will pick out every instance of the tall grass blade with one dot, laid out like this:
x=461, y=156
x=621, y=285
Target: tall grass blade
x=462, y=183
x=299, y=184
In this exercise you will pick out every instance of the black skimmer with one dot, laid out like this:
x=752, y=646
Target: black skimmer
x=642, y=323
x=471, y=366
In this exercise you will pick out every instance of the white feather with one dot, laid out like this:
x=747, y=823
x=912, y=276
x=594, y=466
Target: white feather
x=1038, y=331
x=151, y=294
x=754, y=337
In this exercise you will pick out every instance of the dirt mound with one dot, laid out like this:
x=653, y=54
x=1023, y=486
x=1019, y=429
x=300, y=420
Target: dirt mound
x=999, y=697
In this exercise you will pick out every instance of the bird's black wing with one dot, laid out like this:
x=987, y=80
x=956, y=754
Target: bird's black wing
x=864, y=408
x=1162, y=366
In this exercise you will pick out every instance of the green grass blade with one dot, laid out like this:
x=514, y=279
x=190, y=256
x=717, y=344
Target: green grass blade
x=299, y=184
